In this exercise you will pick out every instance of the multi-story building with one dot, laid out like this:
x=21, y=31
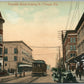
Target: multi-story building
x=16, y=53
x=1, y=40
x=70, y=48
x=80, y=39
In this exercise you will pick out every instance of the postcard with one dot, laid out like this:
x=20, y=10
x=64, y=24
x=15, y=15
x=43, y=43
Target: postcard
x=42, y=41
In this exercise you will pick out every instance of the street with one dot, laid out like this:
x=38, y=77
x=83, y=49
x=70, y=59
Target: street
x=46, y=79
x=35, y=79
x=29, y=79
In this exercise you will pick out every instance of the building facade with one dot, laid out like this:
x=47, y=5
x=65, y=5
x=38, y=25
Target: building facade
x=80, y=39
x=16, y=52
x=1, y=40
x=70, y=48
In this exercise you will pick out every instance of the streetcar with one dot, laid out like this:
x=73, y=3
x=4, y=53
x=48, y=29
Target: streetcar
x=39, y=68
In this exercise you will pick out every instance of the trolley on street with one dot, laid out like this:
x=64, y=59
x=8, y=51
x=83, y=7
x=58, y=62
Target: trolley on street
x=39, y=68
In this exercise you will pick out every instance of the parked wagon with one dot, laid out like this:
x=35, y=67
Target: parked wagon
x=39, y=68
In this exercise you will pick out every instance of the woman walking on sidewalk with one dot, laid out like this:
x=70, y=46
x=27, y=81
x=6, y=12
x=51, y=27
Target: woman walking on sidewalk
x=77, y=71
x=80, y=73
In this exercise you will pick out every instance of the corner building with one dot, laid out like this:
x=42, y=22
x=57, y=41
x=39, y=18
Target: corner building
x=16, y=53
x=80, y=39
x=70, y=49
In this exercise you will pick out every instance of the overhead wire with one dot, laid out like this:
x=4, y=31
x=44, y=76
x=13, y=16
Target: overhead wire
x=74, y=15
x=77, y=16
x=45, y=54
x=78, y=9
x=68, y=16
x=45, y=46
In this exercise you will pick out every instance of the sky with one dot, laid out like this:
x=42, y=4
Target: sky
x=40, y=24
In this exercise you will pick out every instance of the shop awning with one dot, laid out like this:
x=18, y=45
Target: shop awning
x=68, y=60
x=25, y=65
x=80, y=57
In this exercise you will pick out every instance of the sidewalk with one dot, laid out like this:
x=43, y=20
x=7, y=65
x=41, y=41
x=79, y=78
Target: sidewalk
x=11, y=77
x=78, y=79
x=7, y=77
x=82, y=79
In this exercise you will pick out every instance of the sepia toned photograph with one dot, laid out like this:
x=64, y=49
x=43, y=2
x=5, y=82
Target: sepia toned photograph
x=42, y=41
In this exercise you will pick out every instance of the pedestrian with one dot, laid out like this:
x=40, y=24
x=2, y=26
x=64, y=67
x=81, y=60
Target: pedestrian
x=15, y=73
x=20, y=74
x=23, y=73
x=53, y=76
x=80, y=74
x=77, y=71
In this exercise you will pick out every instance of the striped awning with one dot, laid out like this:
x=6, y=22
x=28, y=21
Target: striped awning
x=25, y=65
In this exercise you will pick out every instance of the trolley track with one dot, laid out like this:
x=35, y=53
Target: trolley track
x=13, y=78
x=27, y=79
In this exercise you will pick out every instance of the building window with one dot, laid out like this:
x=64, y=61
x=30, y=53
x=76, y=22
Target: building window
x=71, y=40
x=74, y=47
x=71, y=47
x=0, y=51
x=5, y=50
x=6, y=58
x=71, y=55
x=15, y=51
x=23, y=59
x=74, y=55
x=5, y=64
x=0, y=39
x=15, y=58
x=74, y=40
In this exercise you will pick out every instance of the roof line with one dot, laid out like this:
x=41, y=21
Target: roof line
x=80, y=22
x=17, y=42
x=1, y=18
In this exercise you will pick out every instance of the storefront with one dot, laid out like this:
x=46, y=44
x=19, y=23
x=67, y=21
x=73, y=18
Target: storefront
x=71, y=64
x=80, y=61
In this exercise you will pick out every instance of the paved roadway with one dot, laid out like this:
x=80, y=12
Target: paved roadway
x=45, y=79
x=30, y=79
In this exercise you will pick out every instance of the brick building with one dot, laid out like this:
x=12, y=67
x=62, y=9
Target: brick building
x=1, y=40
x=70, y=49
x=16, y=53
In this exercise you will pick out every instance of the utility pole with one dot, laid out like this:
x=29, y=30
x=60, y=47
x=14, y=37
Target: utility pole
x=62, y=39
x=57, y=60
x=59, y=52
x=62, y=36
x=58, y=55
x=59, y=67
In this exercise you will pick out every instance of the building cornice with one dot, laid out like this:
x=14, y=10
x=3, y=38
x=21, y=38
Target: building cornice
x=17, y=42
x=80, y=22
